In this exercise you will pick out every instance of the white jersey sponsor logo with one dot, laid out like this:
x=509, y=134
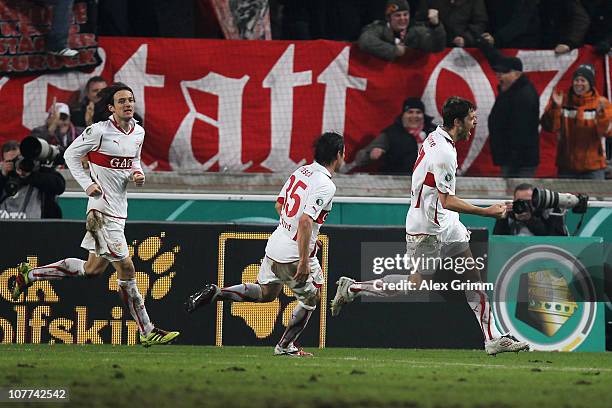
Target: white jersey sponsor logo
x=121, y=163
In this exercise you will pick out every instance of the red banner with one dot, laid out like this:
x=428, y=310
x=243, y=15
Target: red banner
x=256, y=106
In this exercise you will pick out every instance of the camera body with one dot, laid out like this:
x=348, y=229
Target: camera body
x=34, y=152
x=521, y=206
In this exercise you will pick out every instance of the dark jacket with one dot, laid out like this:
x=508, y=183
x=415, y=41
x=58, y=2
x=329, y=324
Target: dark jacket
x=563, y=22
x=600, y=31
x=77, y=114
x=513, y=126
x=400, y=148
x=539, y=225
x=48, y=181
x=463, y=18
x=378, y=39
x=514, y=23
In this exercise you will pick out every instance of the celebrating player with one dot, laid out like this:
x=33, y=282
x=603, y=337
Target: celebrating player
x=302, y=204
x=433, y=229
x=113, y=149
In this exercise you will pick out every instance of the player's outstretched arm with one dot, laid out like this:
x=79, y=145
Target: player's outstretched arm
x=454, y=203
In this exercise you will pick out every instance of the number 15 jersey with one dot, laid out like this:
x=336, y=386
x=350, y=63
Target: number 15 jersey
x=309, y=190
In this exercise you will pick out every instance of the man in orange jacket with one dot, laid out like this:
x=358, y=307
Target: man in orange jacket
x=582, y=118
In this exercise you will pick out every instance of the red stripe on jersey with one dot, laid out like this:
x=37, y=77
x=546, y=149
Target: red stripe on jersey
x=430, y=180
x=489, y=323
x=111, y=162
x=418, y=160
x=436, y=214
x=418, y=204
x=280, y=200
x=322, y=217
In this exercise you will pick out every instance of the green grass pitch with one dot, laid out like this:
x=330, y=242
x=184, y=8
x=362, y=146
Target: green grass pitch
x=177, y=376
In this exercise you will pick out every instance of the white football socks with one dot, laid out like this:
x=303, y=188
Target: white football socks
x=133, y=300
x=244, y=292
x=297, y=324
x=479, y=302
x=66, y=268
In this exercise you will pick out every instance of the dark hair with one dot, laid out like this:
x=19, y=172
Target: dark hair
x=9, y=146
x=455, y=108
x=107, y=95
x=327, y=147
x=92, y=80
x=522, y=187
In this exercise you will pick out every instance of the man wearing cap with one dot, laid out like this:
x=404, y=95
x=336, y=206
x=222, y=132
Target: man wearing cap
x=582, y=119
x=389, y=39
x=397, y=145
x=514, y=119
x=59, y=130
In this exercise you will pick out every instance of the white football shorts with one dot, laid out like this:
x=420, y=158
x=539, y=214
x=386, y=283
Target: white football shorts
x=276, y=272
x=105, y=237
x=451, y=242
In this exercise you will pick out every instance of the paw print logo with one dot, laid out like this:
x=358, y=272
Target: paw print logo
x=261, y=317
x=152, y=256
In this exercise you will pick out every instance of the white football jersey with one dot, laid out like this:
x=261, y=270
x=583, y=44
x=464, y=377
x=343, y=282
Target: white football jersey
x=309, y=190
x=434, y=171
x=114, y=156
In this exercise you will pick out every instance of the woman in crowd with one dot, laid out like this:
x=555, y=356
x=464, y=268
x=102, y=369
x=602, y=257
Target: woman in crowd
x=582, y=118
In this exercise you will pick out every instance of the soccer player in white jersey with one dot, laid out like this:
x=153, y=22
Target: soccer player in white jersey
x=113, y=148
x=433, y=229
x=302, y=205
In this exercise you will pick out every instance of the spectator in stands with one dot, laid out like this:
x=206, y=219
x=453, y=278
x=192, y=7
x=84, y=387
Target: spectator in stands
x=340, y=20
x=600, y=33
x=82, y=114
x=57, y=38
x=58, y=130
x=389, y=39
x=564, y=24
x=582, y=118
x=464, y=21
x=514, y=118
x=523, y=219
x=513, y=24
x=397, y=146
x=28, y=189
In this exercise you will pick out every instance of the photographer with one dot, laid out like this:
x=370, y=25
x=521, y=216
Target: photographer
x=27, y=189
x=524, y=220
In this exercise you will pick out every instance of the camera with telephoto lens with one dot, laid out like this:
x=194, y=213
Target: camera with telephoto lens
x=36, y=150
x=543, y=199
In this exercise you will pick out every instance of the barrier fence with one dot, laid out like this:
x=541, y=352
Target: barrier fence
x=173, y=260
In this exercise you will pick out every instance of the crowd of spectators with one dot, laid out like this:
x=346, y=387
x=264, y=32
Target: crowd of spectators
x=543, y=24
x=387, y=29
